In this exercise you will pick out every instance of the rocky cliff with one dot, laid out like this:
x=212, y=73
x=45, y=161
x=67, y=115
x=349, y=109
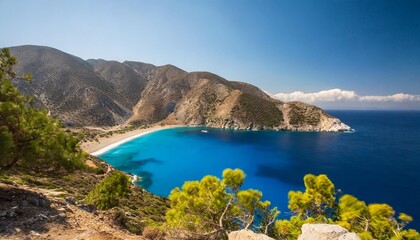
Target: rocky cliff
x=106, y=93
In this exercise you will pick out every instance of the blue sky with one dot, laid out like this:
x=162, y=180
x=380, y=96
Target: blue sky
x=369, y=47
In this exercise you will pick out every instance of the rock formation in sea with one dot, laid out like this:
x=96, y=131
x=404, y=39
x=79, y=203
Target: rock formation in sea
x=106, y=93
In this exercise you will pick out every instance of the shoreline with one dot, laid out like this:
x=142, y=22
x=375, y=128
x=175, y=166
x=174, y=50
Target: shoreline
x=107, y=143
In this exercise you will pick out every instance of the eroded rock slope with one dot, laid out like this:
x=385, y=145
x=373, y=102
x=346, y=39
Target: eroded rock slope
x=105, y=93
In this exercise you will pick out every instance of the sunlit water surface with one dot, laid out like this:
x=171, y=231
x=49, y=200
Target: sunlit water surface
x=380, y=162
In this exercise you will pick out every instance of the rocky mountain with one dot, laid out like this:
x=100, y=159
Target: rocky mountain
x=105, y=93
x=124, y=79
x=69, y=88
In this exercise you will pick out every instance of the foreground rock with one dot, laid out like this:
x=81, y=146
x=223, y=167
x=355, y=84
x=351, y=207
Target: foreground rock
x=326, y=232
x=245, y=234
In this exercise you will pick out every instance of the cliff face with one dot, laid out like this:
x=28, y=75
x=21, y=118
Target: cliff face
x=105, y=93
x=304, y=117
x=205, y=99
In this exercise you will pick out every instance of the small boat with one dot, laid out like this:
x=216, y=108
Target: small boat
x=204, y=131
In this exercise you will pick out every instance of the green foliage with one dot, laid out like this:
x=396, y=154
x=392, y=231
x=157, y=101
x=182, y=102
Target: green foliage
x=107, y=193
x=6, y=144
x=354, y=214
x=288, y=229
x=252, y=208
x=318, y=199
x=257, y=110
x=409, y=234
x=233, y=178
x=405, y=218
x=291, y=229
x=365, y=236
x=300, y=115
x=381, y=224
x=319, y=204
x=375, y=221
x=212, y=207
x=27, y=135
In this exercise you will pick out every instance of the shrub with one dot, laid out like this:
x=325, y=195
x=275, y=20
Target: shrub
x=132, y=224
x=106, y=194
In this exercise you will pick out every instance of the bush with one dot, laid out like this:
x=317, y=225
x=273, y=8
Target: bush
x=106, y=194
x=132, y=224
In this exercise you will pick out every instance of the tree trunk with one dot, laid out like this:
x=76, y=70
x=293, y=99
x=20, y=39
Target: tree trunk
x=224, y=213
x=250, y=222
x=367, y=225
x=10, y=165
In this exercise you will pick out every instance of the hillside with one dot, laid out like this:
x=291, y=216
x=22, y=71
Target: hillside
x=40, y=205
x=107, y=93
x=69, y=88
x=126, y=81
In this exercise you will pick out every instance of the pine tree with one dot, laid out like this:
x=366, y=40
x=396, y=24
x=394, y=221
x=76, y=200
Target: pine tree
x=318, y=204
x=28, y=136
x=211, y=208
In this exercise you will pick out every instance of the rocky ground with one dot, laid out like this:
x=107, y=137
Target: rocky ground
x=35, y=213
x=28, y=212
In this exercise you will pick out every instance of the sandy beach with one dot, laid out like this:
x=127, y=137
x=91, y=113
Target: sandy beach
x=106, y=143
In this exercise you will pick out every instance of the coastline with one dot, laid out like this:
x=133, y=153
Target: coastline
x=104, y=144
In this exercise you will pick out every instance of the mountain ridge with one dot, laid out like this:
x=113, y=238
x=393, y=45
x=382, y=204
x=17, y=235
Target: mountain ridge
x=98, y=92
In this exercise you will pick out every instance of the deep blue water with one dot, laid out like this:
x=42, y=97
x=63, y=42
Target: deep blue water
x=380, y=162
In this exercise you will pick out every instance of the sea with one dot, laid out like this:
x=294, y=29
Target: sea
x=379, y=162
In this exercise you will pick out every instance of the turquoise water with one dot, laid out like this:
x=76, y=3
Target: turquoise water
x=377, y=163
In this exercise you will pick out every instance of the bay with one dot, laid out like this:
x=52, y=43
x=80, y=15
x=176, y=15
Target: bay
x=378, y=163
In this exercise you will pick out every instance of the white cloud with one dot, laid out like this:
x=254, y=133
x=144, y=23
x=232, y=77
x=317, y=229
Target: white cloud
x=335, y=95
x=399, y=97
